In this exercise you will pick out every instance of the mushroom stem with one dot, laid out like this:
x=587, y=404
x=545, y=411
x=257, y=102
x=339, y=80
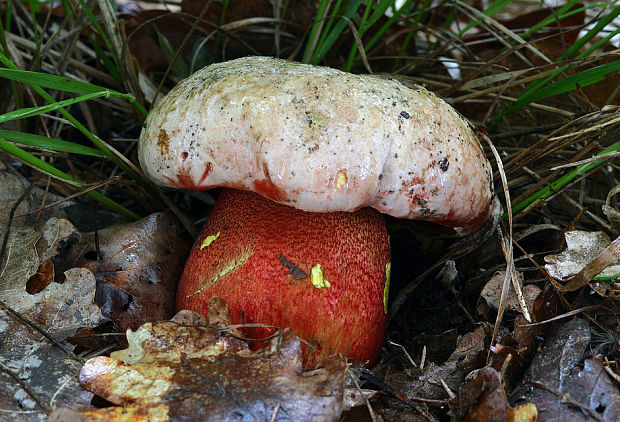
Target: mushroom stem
x=322, y=274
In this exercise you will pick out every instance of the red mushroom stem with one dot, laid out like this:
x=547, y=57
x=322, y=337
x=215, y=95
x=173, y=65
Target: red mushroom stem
x=325, y=275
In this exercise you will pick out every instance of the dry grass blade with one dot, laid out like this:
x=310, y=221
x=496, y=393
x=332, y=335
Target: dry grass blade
x=608, y=117
x=359, y=44
x=565, y=315
x=506, y=242
x=111, y=25
x=29, y=47
x=176, y=55
x=371, y=412
x=506, y=31
x=588, y=160
x=595, y=121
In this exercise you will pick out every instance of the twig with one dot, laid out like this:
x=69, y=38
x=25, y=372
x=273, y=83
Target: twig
x=64, y=384
x=402, y=348
x=409, y=401
x=504, y=368
x=274, y=415
x=35, y=327
x=566, y=398
x=447, y=389
x=611, y=372
x=370, y=411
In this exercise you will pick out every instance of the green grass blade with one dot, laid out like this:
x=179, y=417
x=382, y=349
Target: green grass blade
x=557, y=184
x=537, y=85
x=48, y=168
x=8, y=15
x=378, y=11
x=594, y=31
x=79, y=126
x=490, y=11
x=37, y=39
x=53, y=144
x=333, y=18
x=377, y=36
x=563, y=12
x=218, y=36
x=363, y=22
x=109, y=64
x=599, y=43
x=180, y=68
x=46, y=80
x=335, y=32
x=419, y=17
x=315, y=32
x=390, y=22
x=534, y=87
x=37, y=79
x=570, y=83
x=110, y=61
x=35, y=111
x=95, y=23
x=17, y=98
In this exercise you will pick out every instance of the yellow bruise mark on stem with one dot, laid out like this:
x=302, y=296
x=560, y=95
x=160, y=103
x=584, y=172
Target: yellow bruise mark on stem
x=225, y=269
x=386, y=287
x=208, y=240
x=317, y=278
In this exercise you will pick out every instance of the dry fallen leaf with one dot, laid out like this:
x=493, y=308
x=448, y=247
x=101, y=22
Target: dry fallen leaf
x=186, y=369
x=482, y=398
x=136, y=265
x=581, y=248
x=20, y=262
x=58, y=235
x=48, y=371
x=587, y=394
x=470, y=354
x=492, y=291
x=613, y=216
x=560, y=389
x=562, y=350
x=41, y=280
x=11, y=188
x=60, y=309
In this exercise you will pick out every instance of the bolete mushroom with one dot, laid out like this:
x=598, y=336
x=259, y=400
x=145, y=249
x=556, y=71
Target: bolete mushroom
x=322, y=146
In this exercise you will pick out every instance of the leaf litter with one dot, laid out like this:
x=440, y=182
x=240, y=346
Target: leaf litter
x=194, y=368
x=560, y=387
x=50, y=292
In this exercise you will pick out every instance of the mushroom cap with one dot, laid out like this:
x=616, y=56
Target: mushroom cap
x=320, y=140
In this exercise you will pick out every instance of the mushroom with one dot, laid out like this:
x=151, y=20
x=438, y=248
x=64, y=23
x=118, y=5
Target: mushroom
x=319, y=146
x=325, y=275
